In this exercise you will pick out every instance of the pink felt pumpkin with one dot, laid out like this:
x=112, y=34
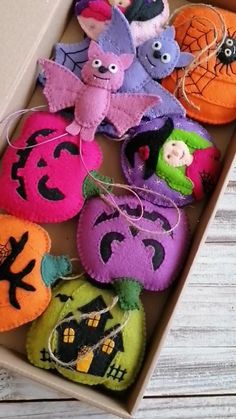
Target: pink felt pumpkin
x=45, y=184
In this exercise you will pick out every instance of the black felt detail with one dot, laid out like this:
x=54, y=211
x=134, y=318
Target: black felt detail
x=154, y=140
x=51, y=194
x=16, y=279
x=224, y=59
x=87, y=336
x=23, y=157
x=106, y=217
x=42, y=163
x=159, y=252
x=134, y=231
x=135, y=212
x=64, y=298
x=67, y=146
x=106, y=244
x=116, y=373
x=151, y=216
x=142, y=10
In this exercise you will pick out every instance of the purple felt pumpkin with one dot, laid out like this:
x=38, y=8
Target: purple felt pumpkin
x=46, y=183
x=113, y=251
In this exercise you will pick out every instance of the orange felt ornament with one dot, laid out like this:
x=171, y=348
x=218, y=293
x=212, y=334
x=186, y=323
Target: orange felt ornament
x=211, y=86
x=27, y=271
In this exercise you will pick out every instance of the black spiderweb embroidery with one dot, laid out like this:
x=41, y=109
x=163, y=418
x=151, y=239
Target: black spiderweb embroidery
x=73, y=56
x=206, y=72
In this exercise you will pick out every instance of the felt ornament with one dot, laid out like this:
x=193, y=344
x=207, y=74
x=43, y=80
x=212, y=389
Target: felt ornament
x=27, y=271
x=46, y=183
x=92, y=341
x=141, y=75
x=210, y=86
x=146, y=17
x=95, y=97
x=126, y=257
x=174, y=157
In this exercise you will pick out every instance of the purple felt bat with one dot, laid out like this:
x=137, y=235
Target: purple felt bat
x=94, y=97
x=155, y=59
x=112, y=251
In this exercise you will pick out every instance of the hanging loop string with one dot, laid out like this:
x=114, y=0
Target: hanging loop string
x=79, y=318
x=110, y=199
x=7, y=121
x=197, y=60
x=73, y=276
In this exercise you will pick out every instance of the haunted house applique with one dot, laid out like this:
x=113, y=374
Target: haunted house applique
x=75, y=338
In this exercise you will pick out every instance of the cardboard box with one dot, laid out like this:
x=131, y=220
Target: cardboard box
x=160, y=307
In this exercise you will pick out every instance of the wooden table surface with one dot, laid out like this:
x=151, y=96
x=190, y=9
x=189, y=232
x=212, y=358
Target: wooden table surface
x=196, y=373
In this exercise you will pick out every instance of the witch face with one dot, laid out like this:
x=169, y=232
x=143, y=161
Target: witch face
x=177, y=154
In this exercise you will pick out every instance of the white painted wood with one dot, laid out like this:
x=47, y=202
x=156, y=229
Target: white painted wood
x=158, y=408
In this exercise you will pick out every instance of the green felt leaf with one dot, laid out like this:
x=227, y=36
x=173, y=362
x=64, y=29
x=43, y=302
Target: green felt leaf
x=91, y=187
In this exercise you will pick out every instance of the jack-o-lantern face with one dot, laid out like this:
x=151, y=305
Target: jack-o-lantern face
x=111, y=249
x=44, y=183
x=174, y=157
x=116, y=360
x=27, y=271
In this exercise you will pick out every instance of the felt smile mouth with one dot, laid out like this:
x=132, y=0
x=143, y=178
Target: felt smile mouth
x=101, y=78
x=147, y=57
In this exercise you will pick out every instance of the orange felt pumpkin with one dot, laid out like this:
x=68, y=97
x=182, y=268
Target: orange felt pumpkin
x=27, y=271
x=212, y=85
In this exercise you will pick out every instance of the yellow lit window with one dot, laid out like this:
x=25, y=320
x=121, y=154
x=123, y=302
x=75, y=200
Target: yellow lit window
x=108, y=346
x=93, y=320
x=69, y=335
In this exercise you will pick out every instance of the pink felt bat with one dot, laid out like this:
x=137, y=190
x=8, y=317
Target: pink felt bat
x=94, y=97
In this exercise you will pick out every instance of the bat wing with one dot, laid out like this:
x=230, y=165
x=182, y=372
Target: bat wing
x=61, y=86
x=169, y=105
x=117, y=37
x=72, y=56
x=126, y=110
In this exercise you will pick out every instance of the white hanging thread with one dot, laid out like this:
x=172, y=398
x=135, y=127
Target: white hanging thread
x=110, y=200
x=7, y=121
x=101, y=184
x=79, y=318
x=75, y=276
x=196, y=61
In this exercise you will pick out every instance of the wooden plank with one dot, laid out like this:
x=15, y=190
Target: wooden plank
x=159, y=408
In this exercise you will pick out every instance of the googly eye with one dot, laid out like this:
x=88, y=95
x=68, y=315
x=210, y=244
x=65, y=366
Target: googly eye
x=96, y=63
x=113, y=68
x=228, y=52
x=156, y=46
x=166, y=58
x=229, y=42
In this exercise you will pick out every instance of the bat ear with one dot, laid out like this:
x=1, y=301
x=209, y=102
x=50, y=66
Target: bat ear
x=169, y=32
x=127, y=60
x=185, y=59
x=94, y=50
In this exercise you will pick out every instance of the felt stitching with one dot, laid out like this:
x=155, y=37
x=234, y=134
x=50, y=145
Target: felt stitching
x=86, y=378
x=12, y=205
x=83, y=93
x=98, y=277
